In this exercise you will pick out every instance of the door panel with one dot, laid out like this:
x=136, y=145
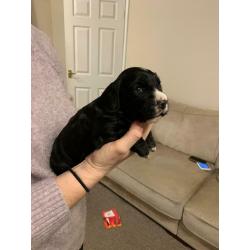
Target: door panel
x=108, y=9
x=83, y=96
x=106, y=51
x=82, y=49
x=81, y=8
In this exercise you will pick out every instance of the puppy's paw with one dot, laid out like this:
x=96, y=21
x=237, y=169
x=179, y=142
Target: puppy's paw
x=143, y=151
x=151, y=142
x=141, y=148
x=153, y=149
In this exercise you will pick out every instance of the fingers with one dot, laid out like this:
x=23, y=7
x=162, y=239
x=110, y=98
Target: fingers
x=134, y=133
x=146, y=130
x=112, y=153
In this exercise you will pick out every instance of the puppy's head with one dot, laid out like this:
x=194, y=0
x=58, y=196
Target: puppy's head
x=140, y=95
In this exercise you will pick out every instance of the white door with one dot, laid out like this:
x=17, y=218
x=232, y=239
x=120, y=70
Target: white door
x=94, y=44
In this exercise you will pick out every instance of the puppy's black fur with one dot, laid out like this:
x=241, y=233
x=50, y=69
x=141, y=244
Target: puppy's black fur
x=131, y=97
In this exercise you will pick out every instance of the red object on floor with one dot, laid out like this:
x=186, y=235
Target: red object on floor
x=111, y=218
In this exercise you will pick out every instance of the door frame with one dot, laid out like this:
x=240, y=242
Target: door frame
x=125, y=34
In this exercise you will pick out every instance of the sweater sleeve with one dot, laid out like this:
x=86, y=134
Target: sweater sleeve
x=49, y=210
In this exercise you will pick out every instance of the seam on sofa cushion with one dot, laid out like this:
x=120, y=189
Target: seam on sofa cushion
x=212, y=172
x=197, y=234
x=216, y=152
x=196, y=191
x=189, y=113
x=202, y=220
x=210, y=115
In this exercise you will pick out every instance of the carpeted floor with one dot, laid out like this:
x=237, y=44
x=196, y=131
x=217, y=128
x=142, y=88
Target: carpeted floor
x=138, y=232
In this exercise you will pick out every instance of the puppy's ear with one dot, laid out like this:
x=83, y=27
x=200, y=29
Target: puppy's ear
x=110, y=97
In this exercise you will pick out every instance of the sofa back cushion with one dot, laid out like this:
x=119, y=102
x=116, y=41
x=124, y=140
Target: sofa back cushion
x=190, y=130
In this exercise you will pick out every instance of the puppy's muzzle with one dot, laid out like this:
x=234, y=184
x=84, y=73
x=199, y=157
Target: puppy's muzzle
x=162, y=104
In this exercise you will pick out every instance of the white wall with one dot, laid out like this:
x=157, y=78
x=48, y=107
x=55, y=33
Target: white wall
x=57, y=17
x=179, y=40
x=41, y=15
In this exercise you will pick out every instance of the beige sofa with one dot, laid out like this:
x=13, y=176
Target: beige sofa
x=168, y=187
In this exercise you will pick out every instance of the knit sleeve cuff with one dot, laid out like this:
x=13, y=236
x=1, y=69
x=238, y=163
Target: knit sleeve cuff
x=49, y=210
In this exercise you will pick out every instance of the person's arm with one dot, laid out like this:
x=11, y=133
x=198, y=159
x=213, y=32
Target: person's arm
x=53, y=197
x=99, y=163
x=49, y=211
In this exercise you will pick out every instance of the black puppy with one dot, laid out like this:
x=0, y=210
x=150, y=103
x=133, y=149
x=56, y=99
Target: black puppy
x=136, y=95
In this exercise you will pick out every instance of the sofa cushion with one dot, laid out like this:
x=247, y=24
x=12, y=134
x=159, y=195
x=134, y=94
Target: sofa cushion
x=201, y=213
x=190, y=130
x=165, y=181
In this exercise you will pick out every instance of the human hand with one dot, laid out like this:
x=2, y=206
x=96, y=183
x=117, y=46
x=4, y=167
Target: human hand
x=112, y=153
x=99, y=163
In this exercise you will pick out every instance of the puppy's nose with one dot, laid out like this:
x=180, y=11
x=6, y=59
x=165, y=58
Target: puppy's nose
x=162, y=103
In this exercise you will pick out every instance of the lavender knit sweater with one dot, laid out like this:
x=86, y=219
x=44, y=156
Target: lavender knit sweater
x=54, y=225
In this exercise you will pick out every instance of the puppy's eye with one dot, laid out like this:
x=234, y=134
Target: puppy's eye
x=139, y=90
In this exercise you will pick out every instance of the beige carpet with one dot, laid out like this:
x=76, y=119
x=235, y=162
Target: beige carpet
x=138, y=232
